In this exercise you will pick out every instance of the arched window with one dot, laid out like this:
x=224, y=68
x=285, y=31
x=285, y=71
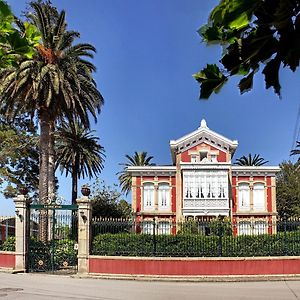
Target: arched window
x=259, y=197
x=163, y=196
x=148, y=196
x=244, y=196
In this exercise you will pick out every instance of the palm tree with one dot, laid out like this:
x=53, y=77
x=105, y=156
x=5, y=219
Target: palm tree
x=138, y=159
x=56, y=84
x=296, y=151
x=256, y=160
x=78, y=153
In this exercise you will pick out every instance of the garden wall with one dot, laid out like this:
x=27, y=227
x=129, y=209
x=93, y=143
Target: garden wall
x=7, y=259
x=194, y=266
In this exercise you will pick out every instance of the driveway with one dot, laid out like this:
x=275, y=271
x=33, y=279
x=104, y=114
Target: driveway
x=40, y=286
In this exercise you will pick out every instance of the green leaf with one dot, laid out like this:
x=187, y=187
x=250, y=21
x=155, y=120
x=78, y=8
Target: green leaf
x=32, y=34
x=271, y=72
x=4, y=10
x=246, y=83
x=240, y=22
x=211, y=80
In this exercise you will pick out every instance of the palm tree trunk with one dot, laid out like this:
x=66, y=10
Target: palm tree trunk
x=43, y=178
x=51, y=177
x=74, y=181
x=51, y=165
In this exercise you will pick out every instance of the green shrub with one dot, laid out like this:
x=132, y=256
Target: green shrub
x=9, y=244
x=193, y=245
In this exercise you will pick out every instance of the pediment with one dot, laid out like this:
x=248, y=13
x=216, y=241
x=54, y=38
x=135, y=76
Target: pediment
x=202, y=135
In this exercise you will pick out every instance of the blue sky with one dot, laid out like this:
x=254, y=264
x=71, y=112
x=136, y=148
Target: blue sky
x=147, y=53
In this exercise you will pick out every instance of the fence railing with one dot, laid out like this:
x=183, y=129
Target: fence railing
x=215, y=238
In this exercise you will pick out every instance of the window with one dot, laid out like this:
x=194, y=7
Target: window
x=260, y=227
x=164, y=196
x=148, y=227
x=203, y=156
x=205, y=184
x=148, y=196
x=164, y=227
x=259, y=197
x=193, y=158
x=244, y=196
x=213, y=158
x=244, y=228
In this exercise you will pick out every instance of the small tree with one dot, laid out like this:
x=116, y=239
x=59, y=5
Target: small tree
x=107, y=201
x=288, y=190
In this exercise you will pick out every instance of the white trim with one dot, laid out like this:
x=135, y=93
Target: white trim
x=254, y=170
x=152, y=170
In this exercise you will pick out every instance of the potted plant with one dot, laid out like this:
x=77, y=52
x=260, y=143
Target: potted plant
x=85, y=190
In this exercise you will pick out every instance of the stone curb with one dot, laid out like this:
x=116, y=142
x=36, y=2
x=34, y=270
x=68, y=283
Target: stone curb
x=222, y=278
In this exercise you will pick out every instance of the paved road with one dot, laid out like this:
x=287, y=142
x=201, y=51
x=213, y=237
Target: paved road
x=36, y=286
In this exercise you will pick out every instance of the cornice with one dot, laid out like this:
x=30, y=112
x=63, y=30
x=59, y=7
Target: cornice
x=152, y=170
x=254, y=170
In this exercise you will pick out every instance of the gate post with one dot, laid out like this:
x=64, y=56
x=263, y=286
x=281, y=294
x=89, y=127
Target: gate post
x=21, y=224
x=84, y=219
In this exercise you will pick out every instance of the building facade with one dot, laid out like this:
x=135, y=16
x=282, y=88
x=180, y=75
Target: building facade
x=202, y=183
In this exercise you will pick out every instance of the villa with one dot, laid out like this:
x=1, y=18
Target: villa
x=203, y=183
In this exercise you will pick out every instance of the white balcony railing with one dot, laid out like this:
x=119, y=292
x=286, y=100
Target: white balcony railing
x=206, y=203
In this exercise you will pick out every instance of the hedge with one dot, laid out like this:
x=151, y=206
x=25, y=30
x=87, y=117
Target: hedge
x=189, y=245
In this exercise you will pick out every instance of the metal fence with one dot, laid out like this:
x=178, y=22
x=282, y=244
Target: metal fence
x=196, y=239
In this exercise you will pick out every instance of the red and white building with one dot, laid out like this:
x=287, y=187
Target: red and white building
x=203, y=183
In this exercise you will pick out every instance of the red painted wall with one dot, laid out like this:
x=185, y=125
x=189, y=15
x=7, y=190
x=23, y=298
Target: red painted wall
x=233, y=189
x=185, y=157
x=7, y=259
x=212, y=267
x=138, y=194
x=269, y=195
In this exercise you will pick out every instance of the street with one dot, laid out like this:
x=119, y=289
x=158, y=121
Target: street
x=41, y=286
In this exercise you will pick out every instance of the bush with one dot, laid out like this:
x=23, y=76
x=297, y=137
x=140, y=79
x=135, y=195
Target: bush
x=193, y=245
x=9, y=244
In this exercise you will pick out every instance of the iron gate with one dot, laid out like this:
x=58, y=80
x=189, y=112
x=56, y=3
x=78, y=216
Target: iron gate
x=52, y=243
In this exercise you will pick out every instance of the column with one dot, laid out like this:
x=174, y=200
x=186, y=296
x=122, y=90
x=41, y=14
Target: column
x=22, y=222
x=84, y=220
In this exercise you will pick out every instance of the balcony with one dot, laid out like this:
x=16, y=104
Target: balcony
x=208, y=207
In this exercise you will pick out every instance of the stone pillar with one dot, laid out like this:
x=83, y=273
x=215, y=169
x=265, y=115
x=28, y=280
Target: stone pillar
x=84, y=236
x=21, y=225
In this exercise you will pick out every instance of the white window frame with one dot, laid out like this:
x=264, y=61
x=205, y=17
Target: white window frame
x=205, y=185
x=259, y=201
x=244, y=196
x=148, y=227
x=259, y=227
x=164, y=196
x=244, y=228
x=164, y=227
x=148, y=196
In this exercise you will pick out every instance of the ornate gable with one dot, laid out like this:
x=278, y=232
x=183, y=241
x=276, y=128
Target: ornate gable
x=203, y=135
